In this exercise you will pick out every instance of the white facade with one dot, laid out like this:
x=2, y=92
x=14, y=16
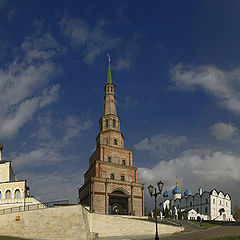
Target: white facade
x=13, y=193
x=205, y=205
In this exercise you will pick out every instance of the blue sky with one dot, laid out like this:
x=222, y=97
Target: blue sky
x=176, y=68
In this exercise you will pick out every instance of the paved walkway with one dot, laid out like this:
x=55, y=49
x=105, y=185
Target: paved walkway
x=210, y=233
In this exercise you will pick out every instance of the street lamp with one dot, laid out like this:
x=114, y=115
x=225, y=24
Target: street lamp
x=155, y=194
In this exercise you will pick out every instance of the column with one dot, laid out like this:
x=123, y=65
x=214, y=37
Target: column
x=131, y=198
x=106, y=199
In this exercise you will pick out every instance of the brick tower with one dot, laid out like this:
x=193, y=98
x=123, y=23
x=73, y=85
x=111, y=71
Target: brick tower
x=111, y=182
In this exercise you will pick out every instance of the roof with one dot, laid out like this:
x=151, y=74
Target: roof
x=176, y=190
x=166, y=194
x=3, y=161
x=187, y=192
x=109, y=77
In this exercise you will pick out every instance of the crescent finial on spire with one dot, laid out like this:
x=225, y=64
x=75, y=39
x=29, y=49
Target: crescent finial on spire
x=109, y=59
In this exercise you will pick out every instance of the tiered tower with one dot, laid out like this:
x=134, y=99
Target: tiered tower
x=111, y=182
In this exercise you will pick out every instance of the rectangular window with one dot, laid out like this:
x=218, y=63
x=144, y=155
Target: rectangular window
x=122, y=178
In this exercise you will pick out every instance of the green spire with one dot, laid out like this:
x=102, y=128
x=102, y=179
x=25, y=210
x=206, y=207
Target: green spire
x=109, y=78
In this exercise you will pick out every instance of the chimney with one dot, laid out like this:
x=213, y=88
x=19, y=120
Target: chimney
x=200, y=191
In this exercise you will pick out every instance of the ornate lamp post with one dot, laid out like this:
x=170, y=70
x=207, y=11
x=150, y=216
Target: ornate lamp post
x=155, y=194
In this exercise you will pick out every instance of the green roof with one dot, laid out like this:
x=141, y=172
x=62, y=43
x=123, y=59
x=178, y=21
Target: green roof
x=109, y=77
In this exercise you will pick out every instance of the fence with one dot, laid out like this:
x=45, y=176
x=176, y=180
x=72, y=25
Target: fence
x=34, y=207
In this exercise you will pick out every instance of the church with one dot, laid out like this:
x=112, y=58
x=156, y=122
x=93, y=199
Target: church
x=203, y=205
x=13, y=193
x=111, y=182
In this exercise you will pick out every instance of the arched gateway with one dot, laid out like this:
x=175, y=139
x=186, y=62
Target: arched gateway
x=111, y=182
x=118, y=203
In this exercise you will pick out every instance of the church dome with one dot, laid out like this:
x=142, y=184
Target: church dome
x=176, y=190
x=1, y=146
x=166, y=194
x=187, y=193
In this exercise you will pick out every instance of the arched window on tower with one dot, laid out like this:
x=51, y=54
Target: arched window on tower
x=122, y=178
x=114, y=123
x=17, y=194
x=106, y=122
x=109, y=159
x=206, y=201
x=115, y=141
x=8, y=194
x=205, y=209
x=124, y=162
x=112, y=176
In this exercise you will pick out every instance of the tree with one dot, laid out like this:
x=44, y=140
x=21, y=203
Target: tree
x=236, y=213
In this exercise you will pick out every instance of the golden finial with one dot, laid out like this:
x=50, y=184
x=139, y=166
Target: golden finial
x=176, y=181
x=109, y=59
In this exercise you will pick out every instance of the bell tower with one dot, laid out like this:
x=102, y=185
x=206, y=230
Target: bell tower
x=111, y=182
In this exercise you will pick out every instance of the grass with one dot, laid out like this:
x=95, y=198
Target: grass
x=227, y=238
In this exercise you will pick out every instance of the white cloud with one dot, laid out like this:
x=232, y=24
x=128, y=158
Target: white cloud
x=129, y=102
x=52, y=135
x=93, y=40
x=73, y=125
x=24, y=87
x=223, y=85
x=55, y=186
x=197, y=168
x=122, y=63
x=161, y=144
x=223, y=131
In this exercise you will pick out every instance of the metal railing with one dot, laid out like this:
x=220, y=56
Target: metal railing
x=31, y=207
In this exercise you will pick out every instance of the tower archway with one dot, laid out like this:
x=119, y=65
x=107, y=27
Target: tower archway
x=118, y=203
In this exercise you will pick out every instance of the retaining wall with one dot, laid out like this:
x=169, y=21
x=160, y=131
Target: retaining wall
x=75, y=222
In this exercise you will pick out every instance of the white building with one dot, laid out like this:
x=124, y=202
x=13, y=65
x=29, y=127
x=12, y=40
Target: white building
x=13, y=193
x=203, y=205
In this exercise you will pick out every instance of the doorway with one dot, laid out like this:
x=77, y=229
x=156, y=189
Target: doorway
x=118, y=203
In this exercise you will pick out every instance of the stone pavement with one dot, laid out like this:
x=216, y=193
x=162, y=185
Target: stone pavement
x=210, y=233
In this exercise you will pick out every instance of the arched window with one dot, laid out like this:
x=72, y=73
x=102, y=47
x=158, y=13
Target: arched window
x=190, y=203
x=111, y=89
x=17, y=194
x=206, y=201
x=106, y=122
x=0, y=195
x=109, y=159
x=197, y=210
x=122, y=178
x=8, y=194
x=112, y=176
x=124, y=162
x=205, y=209
x=115, y=141
x=114, y=123
x=214, y=200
